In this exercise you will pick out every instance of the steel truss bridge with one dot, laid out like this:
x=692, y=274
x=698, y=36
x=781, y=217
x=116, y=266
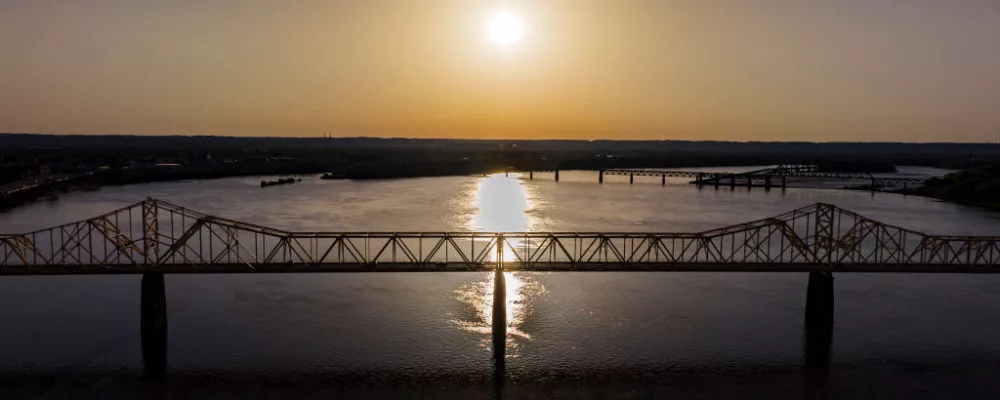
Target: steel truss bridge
x=157, y=236
x=798, y=170
x=154, y=238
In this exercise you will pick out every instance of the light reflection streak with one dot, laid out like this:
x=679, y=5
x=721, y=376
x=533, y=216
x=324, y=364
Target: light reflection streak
x=479, y=295
x=501, y=205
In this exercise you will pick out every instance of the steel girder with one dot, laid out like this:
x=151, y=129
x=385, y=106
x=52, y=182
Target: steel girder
x=155, y=232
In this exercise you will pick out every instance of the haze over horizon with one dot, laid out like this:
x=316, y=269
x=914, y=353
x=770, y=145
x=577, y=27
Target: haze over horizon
x=753, y=70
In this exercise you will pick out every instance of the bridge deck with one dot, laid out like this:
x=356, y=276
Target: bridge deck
x=462, y=267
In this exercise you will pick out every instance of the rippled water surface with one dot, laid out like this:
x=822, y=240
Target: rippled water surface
x=734, y=332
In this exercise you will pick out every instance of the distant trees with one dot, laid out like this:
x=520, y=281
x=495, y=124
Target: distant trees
x=980, y=186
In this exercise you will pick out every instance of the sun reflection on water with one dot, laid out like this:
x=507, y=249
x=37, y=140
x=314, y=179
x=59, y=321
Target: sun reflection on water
x=520, y=292
x=501, y=205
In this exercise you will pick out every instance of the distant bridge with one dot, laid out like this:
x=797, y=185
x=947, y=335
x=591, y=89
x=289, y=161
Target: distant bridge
x=767, y=177
x=38, y=181
x=154, y=235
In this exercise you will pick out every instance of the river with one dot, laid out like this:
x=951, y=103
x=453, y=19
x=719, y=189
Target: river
x=582, y=335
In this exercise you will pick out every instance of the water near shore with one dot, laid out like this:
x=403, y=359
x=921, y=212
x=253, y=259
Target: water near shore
x=569, y=334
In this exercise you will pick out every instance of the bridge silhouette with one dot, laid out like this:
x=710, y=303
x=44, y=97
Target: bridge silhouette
x=155, y=235
x=154, y=238
x=766, y=177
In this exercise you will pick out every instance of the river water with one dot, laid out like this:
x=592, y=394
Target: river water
x=582, y=335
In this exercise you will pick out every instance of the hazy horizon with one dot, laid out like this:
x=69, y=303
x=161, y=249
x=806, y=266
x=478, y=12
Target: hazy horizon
x=541, y=139
x=754, y=70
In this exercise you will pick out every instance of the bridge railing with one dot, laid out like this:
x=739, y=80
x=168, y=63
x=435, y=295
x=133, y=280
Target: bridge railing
x=158, y=233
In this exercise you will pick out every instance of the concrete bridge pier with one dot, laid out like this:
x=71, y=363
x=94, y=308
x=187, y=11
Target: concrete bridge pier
x=153, y=324
x=663, y=180
x=499, y=332
x=631, y=178
x=531, y=175
x=499, y=309
x=557, y=175
x=600, y=176
x=819, y=320
x=783, y=184
x=716, y=178
x=767, y=182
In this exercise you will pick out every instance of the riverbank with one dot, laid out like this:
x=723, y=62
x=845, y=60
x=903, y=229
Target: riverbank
x=117, y=160
x=95, y=181
x=975, y=187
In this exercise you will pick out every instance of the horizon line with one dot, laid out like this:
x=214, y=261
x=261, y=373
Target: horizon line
x=179, y=135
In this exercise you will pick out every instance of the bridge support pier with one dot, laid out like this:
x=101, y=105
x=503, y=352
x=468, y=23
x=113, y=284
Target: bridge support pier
x=499, y=331
x=767, y=182
x=153, y=324
x=783, y=185
x=663, y=180
x=600, y=176
x=819, y=320
x=531, y=175
x=732, y=182
x=557, y=175
x=631, y=179
x=716, y=178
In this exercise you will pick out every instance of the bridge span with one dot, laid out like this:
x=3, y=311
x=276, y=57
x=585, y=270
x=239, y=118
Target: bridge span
x=154, y=235
x=153, y=238
x=767, y=177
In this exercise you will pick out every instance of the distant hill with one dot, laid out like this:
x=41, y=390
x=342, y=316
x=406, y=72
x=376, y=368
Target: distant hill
x=366, y=157
x=206, y=142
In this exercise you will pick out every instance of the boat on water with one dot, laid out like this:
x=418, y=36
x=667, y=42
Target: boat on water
x=282, y=181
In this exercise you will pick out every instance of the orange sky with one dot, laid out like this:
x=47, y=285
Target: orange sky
x=916, y=70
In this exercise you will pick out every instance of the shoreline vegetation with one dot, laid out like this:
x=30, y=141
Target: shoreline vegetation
x=90, y=162
x=979, y=187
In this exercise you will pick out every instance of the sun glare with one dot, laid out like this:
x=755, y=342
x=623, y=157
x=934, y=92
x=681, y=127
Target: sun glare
x=506, y=28
x=502, y=204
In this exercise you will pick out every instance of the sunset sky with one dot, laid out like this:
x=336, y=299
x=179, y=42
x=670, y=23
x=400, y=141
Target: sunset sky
x=885, y=70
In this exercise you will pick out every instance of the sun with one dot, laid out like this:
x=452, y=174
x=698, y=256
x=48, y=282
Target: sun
x=506, y=28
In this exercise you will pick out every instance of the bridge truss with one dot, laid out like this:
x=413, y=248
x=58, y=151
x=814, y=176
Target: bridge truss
x=797, y=170
x=154, y=235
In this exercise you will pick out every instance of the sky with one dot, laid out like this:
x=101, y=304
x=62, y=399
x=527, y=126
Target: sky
x=836, y=70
